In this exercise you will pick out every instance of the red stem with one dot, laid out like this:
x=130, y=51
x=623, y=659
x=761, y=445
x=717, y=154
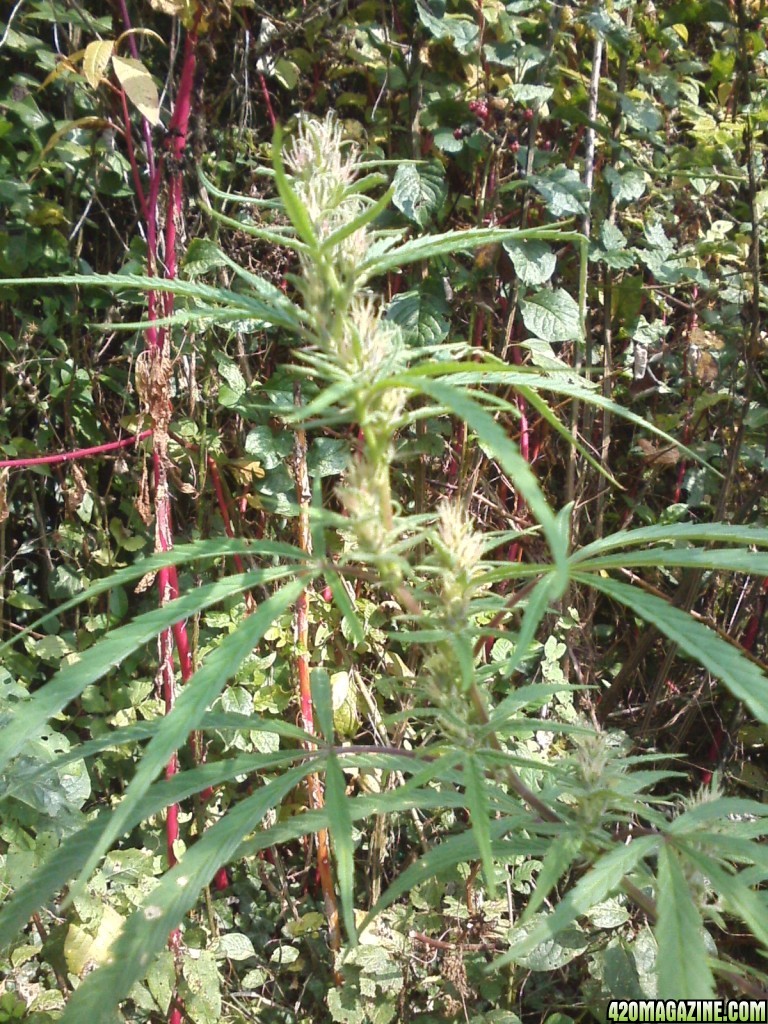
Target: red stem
x=267, y=100
x=132, y=157
x=221, y=500
x=80, y=453
x=134, y=48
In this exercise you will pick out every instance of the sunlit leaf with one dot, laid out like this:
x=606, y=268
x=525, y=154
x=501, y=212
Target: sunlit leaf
x=139, y=86
x=96, y=60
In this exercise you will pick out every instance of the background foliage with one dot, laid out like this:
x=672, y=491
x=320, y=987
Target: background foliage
x=502, y=699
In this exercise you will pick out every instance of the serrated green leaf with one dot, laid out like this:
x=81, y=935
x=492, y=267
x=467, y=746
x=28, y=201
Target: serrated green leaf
x=201, y=256
x=552, y=315
x=676, y=533
x=327, y=456
x=601, y=880
x=534, y=261
x=555, y=952
x=563, y=190
x=743, y=678
x=462, y=31
x=340, y=825
x=626, y=185
x=146, y=931
x=419, y=191
x=479, y=814
x=683, y=970
x=420, y=315
x=270, y=449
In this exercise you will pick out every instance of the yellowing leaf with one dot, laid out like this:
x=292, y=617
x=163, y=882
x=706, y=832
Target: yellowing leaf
x=138, y=32
x=139, y=87
x=66, y=66
x=245, y=470
x=97, y=123
x=172, y=7
x=95, y=60
x=47, y=213
x=83, y=951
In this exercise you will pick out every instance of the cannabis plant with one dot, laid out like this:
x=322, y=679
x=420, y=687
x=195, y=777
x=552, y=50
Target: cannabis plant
x=517, y=771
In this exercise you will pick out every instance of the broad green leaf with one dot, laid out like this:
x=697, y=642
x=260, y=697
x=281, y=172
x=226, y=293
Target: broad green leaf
x=419, y=191
x=421, y=316
x=462, y=31
x=269, y=448
x=553, y=953
x=327, y=456
x=534, y=261
x=85, y=950
x=683, y=968
x=531, y=94
x=625, y=185
x=202, y=255
x=641, y=113
x=287, y=73
x=742, y=677
x=563, y=190
x=552, y=315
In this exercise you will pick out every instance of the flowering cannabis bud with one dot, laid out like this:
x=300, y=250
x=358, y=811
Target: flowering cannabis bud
x=367, y=499
x=459, y=551
x=367, y=345
x=459, y=539
x=324, y=166
x=320, y=156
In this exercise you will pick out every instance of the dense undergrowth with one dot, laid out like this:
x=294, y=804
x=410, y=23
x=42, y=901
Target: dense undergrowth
x=383, y=510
